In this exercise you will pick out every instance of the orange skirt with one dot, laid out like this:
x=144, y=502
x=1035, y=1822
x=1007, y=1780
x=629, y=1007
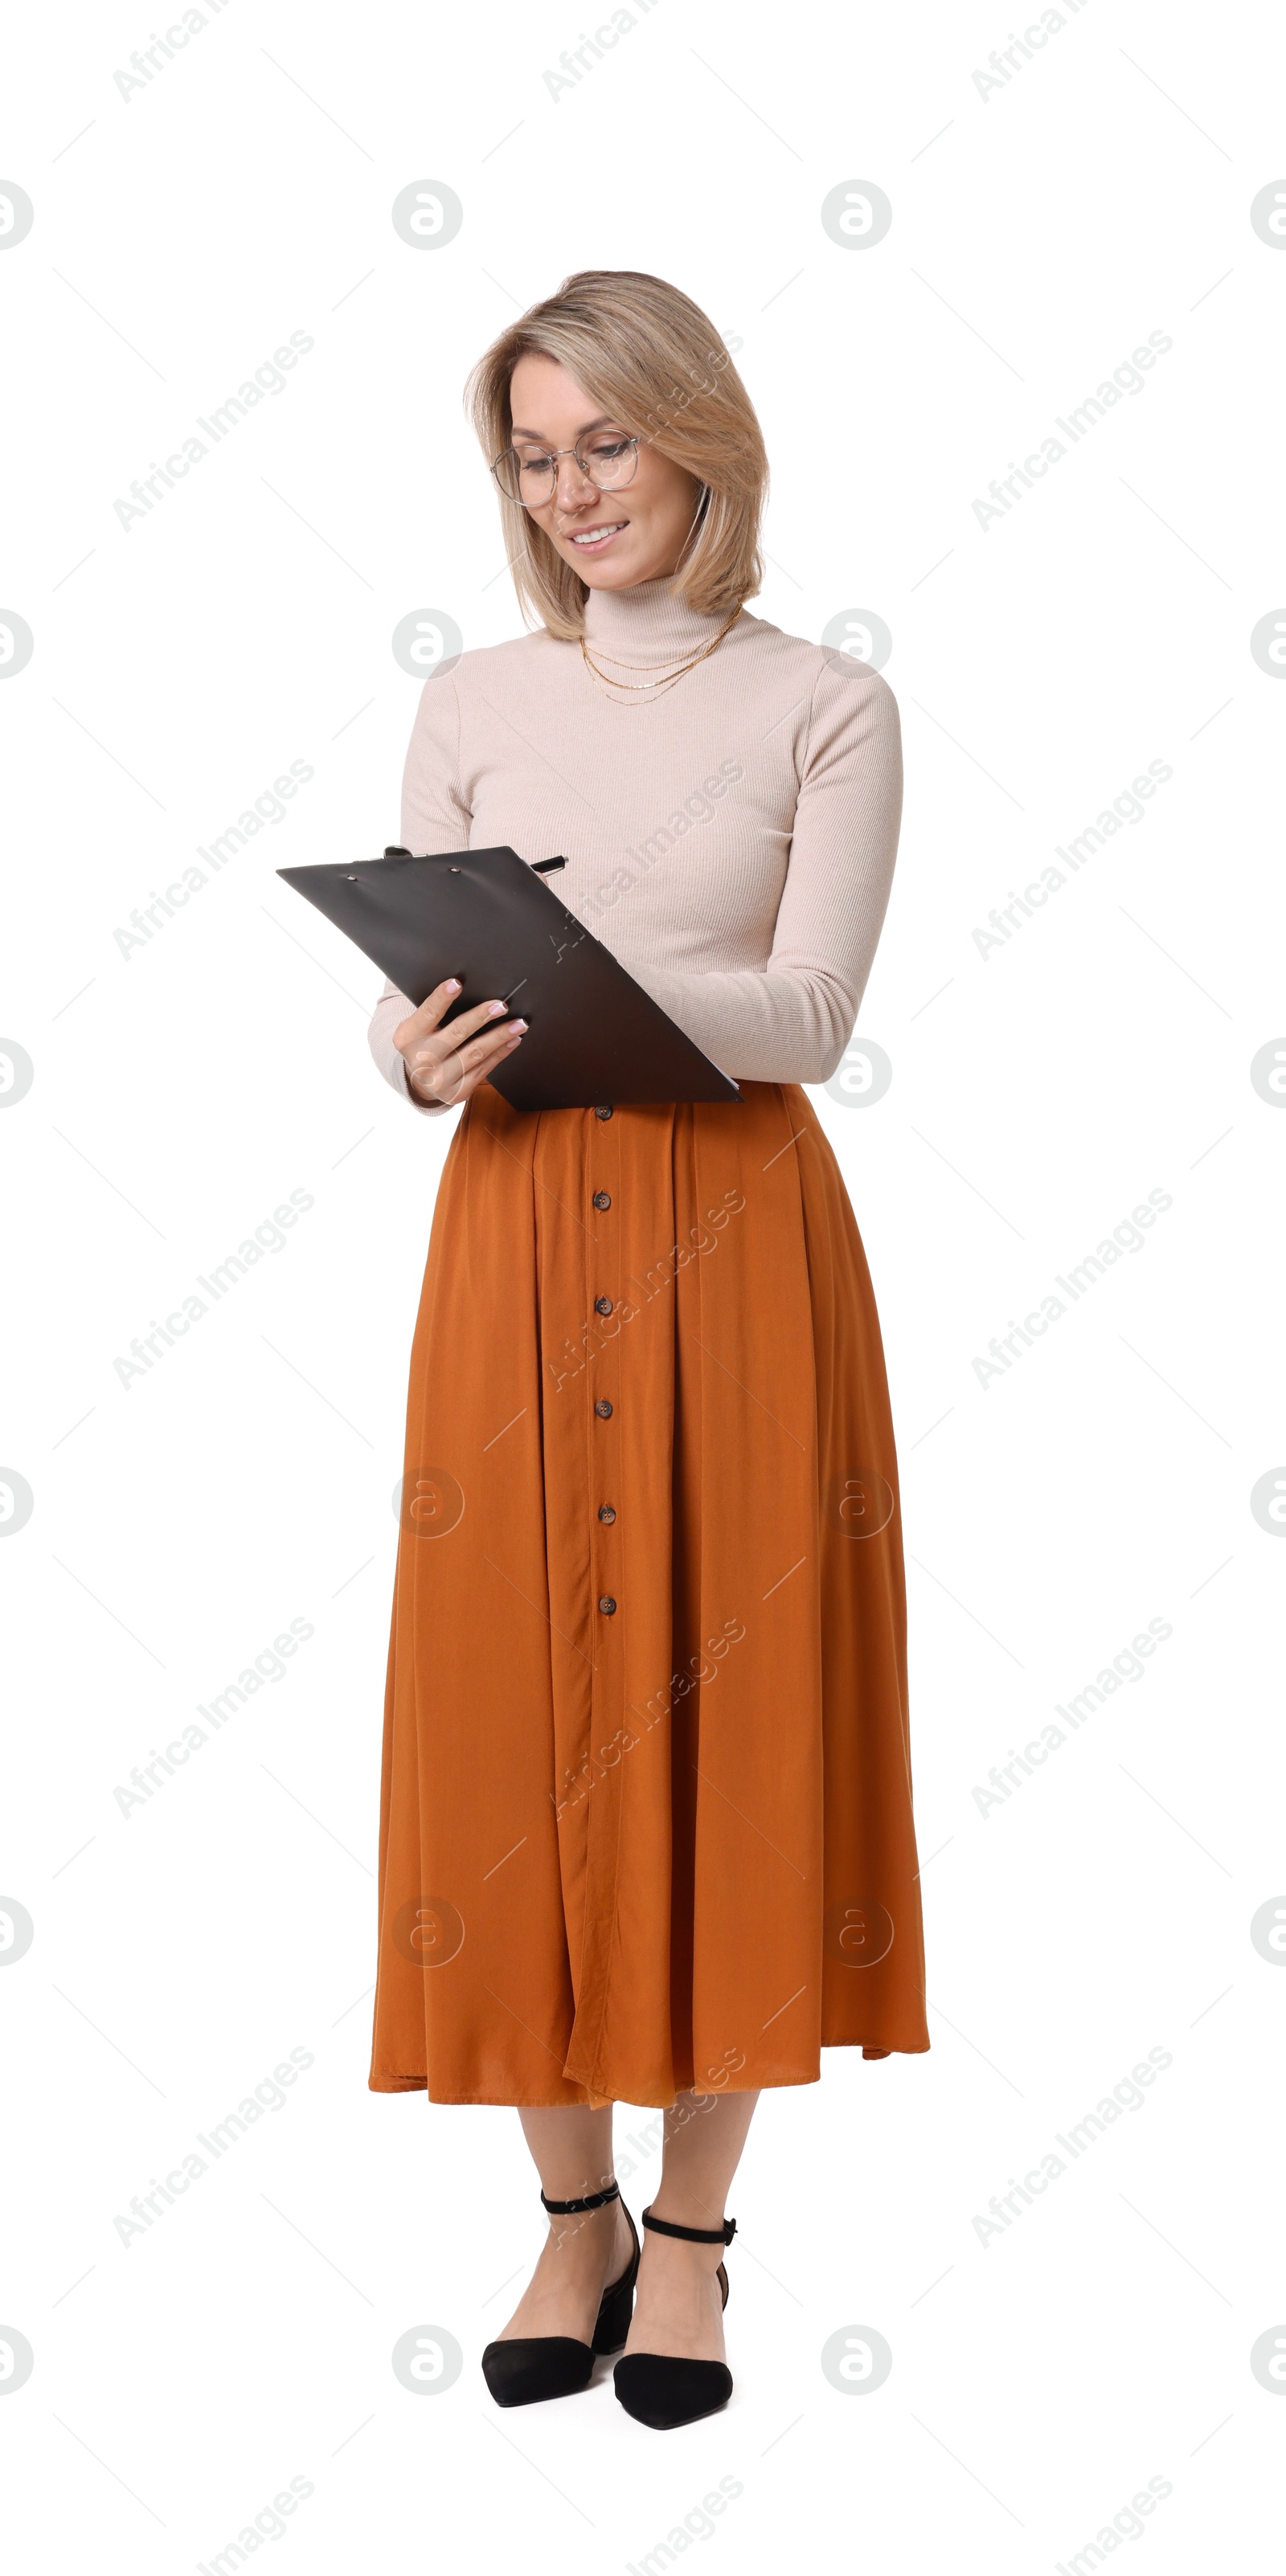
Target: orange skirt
x=646, y=1815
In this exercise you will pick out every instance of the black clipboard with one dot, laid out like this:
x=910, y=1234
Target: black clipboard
x=594, y=1036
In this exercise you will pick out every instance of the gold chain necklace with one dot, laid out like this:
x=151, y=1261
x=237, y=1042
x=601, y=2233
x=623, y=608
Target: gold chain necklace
x=658, y=687
x=638, y=705
x=686, y=659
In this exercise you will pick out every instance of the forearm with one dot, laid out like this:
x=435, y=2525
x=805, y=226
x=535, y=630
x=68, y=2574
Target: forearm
x=791, y=1020
x=779, y=1025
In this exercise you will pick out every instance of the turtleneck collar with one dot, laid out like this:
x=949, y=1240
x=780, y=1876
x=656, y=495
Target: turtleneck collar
x=646, y=625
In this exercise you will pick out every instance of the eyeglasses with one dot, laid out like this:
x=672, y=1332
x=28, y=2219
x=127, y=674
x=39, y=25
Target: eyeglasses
x=530, y=475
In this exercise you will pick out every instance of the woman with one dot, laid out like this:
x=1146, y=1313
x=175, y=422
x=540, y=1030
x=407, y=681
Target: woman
x=646, y=1829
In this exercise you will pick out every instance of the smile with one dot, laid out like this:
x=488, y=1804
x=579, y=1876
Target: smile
x=593, y=539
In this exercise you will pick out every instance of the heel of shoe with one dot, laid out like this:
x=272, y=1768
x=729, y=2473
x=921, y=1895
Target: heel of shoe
x=617, y=2307
x=614, y=2316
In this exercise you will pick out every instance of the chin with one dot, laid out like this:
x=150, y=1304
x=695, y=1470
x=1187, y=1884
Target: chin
x=609, y=573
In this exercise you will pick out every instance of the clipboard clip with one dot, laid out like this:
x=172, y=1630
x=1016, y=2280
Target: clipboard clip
x=539, y=867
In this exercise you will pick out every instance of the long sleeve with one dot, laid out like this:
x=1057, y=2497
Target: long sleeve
x=733, y=843
x=434, y=818
x=791, y=1021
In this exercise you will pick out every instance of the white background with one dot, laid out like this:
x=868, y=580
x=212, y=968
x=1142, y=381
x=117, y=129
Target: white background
x=1040, y=234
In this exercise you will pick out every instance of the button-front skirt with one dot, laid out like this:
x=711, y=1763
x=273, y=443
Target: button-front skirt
x=646, y=1818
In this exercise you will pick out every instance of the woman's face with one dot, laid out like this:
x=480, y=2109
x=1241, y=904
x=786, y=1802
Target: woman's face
x=614, y=538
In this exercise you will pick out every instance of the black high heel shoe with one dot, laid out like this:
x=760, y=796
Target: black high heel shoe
x=530, y=2367
x=663, y=2389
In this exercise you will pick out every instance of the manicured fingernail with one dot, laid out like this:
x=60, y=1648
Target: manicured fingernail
x=518, y=1025
x=453, y=984
x=493, y=1007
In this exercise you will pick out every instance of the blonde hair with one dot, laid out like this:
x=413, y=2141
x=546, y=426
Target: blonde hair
x=654, y=361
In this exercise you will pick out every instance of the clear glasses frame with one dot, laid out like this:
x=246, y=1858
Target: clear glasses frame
x=508, y=468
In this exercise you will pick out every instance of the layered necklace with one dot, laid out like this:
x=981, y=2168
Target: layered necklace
x=645, y=693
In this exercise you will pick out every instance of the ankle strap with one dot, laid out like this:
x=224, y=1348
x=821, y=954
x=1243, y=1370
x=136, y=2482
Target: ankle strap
x=694, y=2235
x=592, y=2200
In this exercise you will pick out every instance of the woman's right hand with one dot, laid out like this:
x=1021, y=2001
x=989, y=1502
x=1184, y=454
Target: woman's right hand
x=447, y=1065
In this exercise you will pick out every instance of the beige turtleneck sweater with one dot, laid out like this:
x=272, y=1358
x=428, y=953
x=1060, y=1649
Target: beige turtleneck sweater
x=732, y=842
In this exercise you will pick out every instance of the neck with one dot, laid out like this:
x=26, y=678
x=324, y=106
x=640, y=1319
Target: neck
x=646, y=624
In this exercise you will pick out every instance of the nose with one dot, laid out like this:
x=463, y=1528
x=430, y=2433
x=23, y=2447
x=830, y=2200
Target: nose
x=573, y=488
